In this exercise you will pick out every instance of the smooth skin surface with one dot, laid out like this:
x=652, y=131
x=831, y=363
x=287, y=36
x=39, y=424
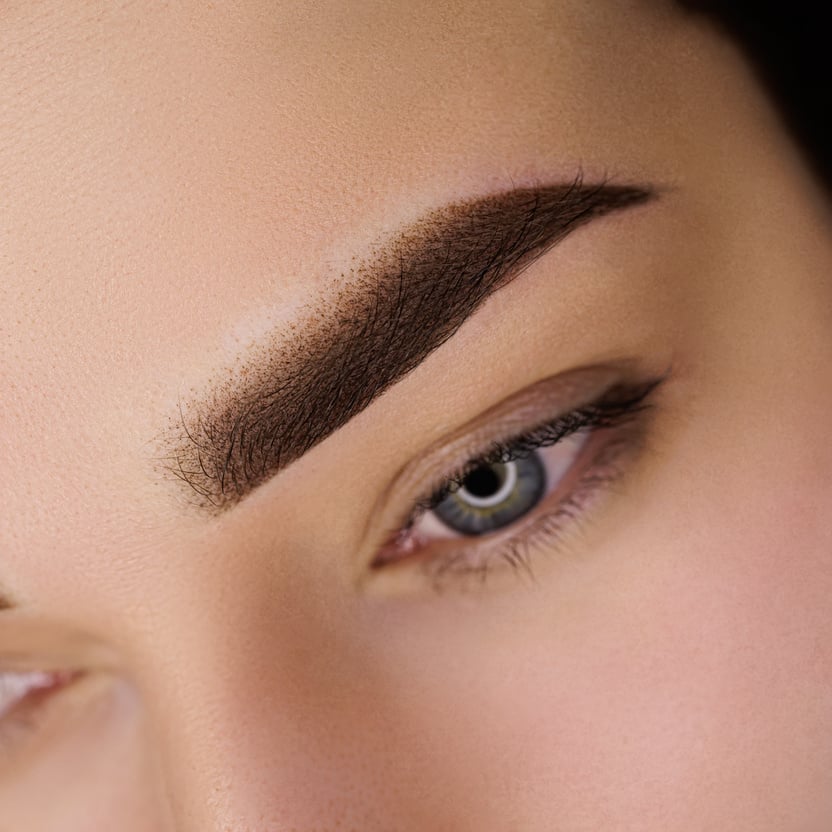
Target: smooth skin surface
x=184, y=186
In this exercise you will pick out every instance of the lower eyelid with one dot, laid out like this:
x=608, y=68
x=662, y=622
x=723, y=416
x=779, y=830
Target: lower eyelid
x=622, y=425
x=608, y=459
x=545, y=527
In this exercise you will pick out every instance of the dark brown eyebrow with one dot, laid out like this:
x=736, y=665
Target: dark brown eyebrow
x=383, y=319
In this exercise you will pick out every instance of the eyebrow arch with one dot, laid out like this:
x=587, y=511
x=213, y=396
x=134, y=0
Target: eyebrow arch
x=384, y=318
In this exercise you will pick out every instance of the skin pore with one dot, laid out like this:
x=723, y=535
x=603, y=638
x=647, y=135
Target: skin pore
x=197, y=201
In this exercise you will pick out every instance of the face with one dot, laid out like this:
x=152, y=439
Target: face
x=414, y=417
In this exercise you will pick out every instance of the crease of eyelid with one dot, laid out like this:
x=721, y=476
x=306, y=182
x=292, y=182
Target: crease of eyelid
x=502, y=421
x=513, y=546
x=517, y=546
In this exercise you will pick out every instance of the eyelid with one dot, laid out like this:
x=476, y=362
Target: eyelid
x=564, y=453
x=28, y=643
x=553, y=431
x=612, y=412
x=14, y=687
x=606, y=460
x=32, y=721
x=426, y=472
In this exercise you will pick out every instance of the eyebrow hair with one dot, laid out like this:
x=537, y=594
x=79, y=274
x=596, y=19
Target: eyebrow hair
x=386, y=317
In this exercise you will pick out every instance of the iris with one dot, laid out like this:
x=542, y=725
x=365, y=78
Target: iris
x=495, y=495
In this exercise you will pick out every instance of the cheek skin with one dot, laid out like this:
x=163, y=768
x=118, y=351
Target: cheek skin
x=708, y=702
x=684, y=693
x=676, y=676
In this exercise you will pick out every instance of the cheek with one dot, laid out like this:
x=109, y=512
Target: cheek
x=702, y=684
x=683, y=679
x=712, y=687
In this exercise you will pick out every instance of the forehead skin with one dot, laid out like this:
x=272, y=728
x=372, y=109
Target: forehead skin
x=184, y=178
x=179, y=180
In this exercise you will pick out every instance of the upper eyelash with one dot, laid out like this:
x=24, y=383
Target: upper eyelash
x=615, y=406
x=516, y=550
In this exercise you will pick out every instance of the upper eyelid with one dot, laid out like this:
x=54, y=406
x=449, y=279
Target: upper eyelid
x=504, y=421
x=510, y=545
x=501, y=451
x=515, y=414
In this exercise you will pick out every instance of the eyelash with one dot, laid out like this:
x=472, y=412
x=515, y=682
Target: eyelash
x=615, y=408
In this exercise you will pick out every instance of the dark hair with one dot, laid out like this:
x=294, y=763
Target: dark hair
x=786, y=44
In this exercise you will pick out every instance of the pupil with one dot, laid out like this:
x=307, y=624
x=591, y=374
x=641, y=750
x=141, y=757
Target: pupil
x=483, y=482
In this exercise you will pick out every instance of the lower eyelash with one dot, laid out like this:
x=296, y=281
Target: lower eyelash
x=609, y=412
x=541, y=532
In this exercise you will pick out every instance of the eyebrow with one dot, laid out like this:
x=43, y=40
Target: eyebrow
x=383, y=319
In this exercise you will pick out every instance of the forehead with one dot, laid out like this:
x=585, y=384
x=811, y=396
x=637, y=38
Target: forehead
x=177, y=178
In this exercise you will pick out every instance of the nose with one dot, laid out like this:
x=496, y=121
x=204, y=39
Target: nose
x=264, y=718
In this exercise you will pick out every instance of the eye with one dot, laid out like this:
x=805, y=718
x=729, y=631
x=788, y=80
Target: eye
x=521, y=493
x=496, y=494
x=15, y=687
x=24, y=700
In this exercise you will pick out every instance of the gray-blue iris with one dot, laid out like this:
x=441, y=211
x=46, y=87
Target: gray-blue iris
x=495, y=495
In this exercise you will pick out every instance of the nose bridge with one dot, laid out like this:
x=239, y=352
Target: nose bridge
x=233, y=760
x=259, y=719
